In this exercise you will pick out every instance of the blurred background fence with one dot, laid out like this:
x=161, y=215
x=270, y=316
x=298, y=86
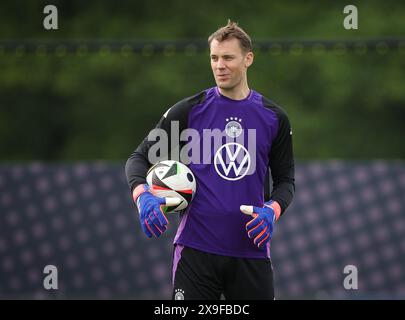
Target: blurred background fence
x=75, y=102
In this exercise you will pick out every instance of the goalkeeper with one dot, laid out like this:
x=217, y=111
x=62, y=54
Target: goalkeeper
x=222, y=245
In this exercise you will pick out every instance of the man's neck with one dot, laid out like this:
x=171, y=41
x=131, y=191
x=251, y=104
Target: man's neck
x=235, y=93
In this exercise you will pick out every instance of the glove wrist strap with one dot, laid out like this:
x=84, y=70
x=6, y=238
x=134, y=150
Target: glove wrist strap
x=139, y=190
x=276, y=208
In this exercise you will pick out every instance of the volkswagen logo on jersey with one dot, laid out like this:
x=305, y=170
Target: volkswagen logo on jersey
x=233, y=128
x=232, y=161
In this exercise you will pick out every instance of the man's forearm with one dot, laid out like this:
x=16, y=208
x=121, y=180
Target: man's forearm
x=136, y=168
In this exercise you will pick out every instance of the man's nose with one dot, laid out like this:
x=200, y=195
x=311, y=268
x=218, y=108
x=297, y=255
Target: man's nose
x=220, y=64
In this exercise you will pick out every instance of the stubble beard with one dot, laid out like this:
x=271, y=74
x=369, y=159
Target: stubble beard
x=229, y=86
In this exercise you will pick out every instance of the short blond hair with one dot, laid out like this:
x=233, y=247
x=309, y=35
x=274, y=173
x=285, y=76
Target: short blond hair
x=232, y=30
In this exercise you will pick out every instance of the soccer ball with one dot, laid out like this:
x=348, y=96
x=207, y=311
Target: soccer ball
x=171, y=178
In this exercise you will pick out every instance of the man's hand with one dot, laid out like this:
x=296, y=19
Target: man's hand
x=261, y=227
x=151, y=214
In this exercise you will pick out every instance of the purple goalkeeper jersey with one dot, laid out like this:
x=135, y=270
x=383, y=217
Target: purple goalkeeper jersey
x=239, y=142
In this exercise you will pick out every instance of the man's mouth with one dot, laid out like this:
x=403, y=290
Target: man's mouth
x=222, y=76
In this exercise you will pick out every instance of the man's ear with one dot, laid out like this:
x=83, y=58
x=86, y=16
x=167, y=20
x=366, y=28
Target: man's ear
x=249, y=59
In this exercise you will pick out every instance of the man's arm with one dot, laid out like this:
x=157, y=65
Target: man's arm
x=139, y=163
x=151, y=208
x=282, y=163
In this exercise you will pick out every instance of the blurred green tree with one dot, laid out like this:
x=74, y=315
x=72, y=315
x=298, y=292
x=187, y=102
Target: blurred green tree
x=70, y=106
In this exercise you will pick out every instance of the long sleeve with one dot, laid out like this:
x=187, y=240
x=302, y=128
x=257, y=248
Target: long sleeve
x=282, y=163
x=152, y=149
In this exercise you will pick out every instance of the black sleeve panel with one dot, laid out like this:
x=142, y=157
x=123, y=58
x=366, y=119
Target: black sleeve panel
x=267, y=185
x=138, y=163
x=282, y=160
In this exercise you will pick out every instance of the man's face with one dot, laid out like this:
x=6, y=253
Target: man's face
x=229, y=63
